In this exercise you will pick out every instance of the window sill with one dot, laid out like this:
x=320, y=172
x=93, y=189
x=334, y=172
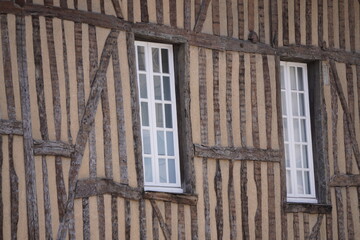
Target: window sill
x=179, y=198
x=307, y=208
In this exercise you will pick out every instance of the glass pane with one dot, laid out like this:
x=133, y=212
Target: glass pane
x=282, y=76
x=168, y=116
x=307, y=183
x=143, y=87
x=148, y=170
x=155, y=59
x=165, y=60
x=302, y=104
x=144, y=114
x=283, y=103
x=171, y=171
x=167, y=93
x=157, y=87
x=300, y=79
x=305, y=156
x=162, y=170
x=159, y=115
x=287, y=157
x=288, y=182
x=141, y=58
x=161, y=142
x=170, y=144
x=296, y=130
x=146, y=142
x=292, y=78
x=298, y=156
x=285, y=130
x=299, y=178
x=303, y=130
x=294, y=101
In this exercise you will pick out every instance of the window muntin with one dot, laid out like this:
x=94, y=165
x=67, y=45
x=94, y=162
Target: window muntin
x=155, y=73
x=300, y=183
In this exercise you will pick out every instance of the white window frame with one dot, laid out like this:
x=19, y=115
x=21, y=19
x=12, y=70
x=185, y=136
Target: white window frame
x=297, y=192
x=155, y=184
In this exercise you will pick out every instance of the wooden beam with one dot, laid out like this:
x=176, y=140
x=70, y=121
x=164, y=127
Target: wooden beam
x=345, y=180
x=237, y=153
x=11, y=127
x=53, y=148
x=201, y=15
x=162, y=223
x=307, y=208
x=186, y=199
x=100, y=186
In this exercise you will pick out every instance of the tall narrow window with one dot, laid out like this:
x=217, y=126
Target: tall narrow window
x=297, y=133
x=155, y=73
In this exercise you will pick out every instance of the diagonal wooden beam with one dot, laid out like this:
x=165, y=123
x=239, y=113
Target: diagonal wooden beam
x=162, y=223
x=117, y=8
x=86, y=125
x=349, y=119
x=201, y=15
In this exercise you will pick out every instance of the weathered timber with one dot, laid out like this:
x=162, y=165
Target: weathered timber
x=144, y=11
x=162, y=223
x=215, y=17
x=101, y=216
x=86, y=218
x=173, y=13
x=86, y=125
x=345, y=180
x=244, y=201
x=320, y=23
x=8, y=127
x=187, y=14
x=155, y=225
x=230, y=137
x=237, y=153
x=168, y=216
x=184, y=199
x=216, y=100
x=232, y=202
x=307, y=208
x=46, y=199
x=130, y=10
x=342, y=33
x=268, y=100
x=201, y=15
x=242, y=102
x=194, y=222
x=99, y=186
x=308, y=16
x=31, y=197
x=340, y=213
x=251, y=16
x=1, y=193
x=297, y=22
x=315, y=231
x=274, y=22
x=127, y=218
x=14, y=189
x=117, y=8
x=181, y=222
x=349, y=216
x=330, y=23
x=261, y=14
x=219, y=202
x=241, y=17
x=114, y=218
x=229, y=19
x=329, y=226
x=352, y=21
x=258, y=213
x=254, y=104
x=349, y=119
x=53, y=148
x=285, y=22
x=271, y=200
x=159, y=12
x=296, y=226
x=306, y=225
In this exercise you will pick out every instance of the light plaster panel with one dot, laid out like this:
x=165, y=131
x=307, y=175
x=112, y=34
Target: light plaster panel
x=194, y=94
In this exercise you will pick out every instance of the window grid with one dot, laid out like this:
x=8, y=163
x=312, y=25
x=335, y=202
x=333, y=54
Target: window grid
x=297, y=133
x=160, y=150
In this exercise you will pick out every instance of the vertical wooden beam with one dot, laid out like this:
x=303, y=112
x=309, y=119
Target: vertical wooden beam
x=86, y=218
x=1, y=193
x=114, y=218
x=155, y=225
x=181, y=222
x=127, y=219
x=306, y=225
x=268, y=100
x=229, y=18
x=101, y=216
x=297, y=22
x=330, y=23
x=244, y=201
x=219, y=201
x=329, y=226
x=251, y=16
x=168, y=216
x=31, y=197
x=274, y=22
x=117, y=8
x=320, y=23
x=254, y=106
x=14, y=190
x=242, y=99
x=130, y=10
x=159, y=12
x=215, y=17
x=201, y=15
x=261, y=13
x=352, y=21
x=144, y=11
x=308, y=16
x=285, y=22
x=163, y=226
x=187, y=14
x=342, y=33
x=241, y=17
x=271, y=200
x=296, y=226
x=173, y=13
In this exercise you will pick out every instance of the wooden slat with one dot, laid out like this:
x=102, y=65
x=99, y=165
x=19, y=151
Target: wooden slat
x=329, y=226
x=345, y=180
x=241, y=17
x=271, y=200
x=187, y=15
x=297, y=22
x=268, y=101
x=194, y=222
x=215, y=17
x=232, y=202
x=155, y=225
x=229, y=18
x=258, y=213
x=307, y=208
x=130, y=10
x=101, y=216
x=330, y=23
x=31, y=197
x=254, y=106
x=306, y=225
x=53, y=148
x=216, y=100
x=308, y=16
x=320, y=23
x=349, y=216
x=11, y=127
x=296, y=226
x=86, y=218
x=117, y=8
x=86, y=125
x=159, y=12
x=127, y=213
x=352, y=21
x=184, y=199
x=244, y=201
x=144, y=11
x=201, y=15
x=173, y=13
x=261, y=14
x=315, y=231
x=219, y=201
x=242, y=102
x=114, y=218
x=181, y=222
x=251, y=16
x=162, y=223
x=168, y=216
x=342, y=33
x=274, y=22
x=285, y=22
x=14, y=189
x=230, y=137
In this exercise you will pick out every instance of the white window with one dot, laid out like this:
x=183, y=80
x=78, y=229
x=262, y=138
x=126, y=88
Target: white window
x=300, y=183
x=155, y=74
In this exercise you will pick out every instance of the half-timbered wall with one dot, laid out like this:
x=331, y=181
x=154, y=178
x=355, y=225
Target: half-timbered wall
x=70, y=147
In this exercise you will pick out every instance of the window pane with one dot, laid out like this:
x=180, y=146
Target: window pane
x=162, y=170
x=143, y=87
x=294, y=101
x=146, y=142
x=300, y=187
x=159, y=115
x=157, y=87
x=167, y=92
x=283, y=103
x=144, y=114
x=302, y=104
x=155, y=59
x=307, y=182
x=171, y=171
x=148, y=170
x=160, y=142
x=168, y=116
x=285, y=125
x=305, y=156
x=170, y=144
x=300, y=79
x=141, y=58
x=298, y=156
x=288, y=182
x=296, y=130
x=282, y=75
x=292, y=78
x=287, y=157
x=165, y=60
x=303, y=130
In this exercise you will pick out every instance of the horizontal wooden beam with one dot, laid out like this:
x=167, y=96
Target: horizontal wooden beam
x=345, y=180
x=53, y=148
x=236, y=153
x=186, y=199
x=99, y=186
x=222, y=43
x=11, y=127
x=307, y=208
